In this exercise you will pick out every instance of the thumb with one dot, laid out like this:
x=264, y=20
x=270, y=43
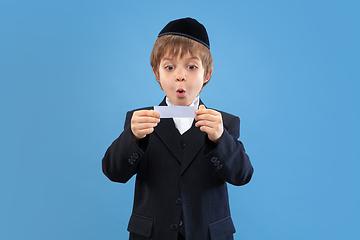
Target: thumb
x=202, y=106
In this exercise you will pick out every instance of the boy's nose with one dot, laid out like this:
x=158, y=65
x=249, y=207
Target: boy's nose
x=180, y=76
x=180, y=79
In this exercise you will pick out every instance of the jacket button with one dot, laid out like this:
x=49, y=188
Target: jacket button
x=183, y=145
x=178, y=201
x=217, y=163
x=213, y=159
x=135, y=155
x=220, y=166
x=174, y=227
x=131, y=161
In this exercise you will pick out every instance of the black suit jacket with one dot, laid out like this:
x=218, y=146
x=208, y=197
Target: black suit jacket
x=181, y=179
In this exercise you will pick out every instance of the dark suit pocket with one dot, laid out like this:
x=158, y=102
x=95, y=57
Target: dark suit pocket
x=221, y=229
x=140, y=225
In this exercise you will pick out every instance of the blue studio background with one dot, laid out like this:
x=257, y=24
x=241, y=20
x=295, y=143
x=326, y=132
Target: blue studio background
x=69, y=71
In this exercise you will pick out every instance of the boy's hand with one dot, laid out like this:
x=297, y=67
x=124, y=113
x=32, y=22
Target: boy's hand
x=210, y=121
x=143, y=123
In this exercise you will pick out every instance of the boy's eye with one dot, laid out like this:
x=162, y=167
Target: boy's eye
x=192, y=67
x=169, y=67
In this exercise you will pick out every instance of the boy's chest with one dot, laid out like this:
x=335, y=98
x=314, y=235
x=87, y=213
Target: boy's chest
x=168, y=148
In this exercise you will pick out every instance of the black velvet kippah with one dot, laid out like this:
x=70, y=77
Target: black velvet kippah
x=187, y=27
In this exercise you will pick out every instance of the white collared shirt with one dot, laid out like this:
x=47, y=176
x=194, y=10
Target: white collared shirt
x=183, y=124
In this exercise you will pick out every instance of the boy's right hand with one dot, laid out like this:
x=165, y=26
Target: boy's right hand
x=143, y=123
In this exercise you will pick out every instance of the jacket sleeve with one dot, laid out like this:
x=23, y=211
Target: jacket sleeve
x=229, y=158
x=121, y=159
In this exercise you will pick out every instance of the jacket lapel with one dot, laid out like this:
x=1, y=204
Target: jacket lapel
x=169, y=135
x=194, y=139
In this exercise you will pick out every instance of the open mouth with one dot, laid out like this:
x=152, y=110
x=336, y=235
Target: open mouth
x=180, y=92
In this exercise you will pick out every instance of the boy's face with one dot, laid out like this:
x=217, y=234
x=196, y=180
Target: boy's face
x=181, y=78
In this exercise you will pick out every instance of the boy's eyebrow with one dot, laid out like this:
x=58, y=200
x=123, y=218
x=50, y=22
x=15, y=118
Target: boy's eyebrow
x=169, y=59
x=195, y=58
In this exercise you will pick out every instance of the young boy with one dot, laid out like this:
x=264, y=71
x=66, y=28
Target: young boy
x=182, y=164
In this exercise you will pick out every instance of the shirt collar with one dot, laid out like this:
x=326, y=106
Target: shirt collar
x=194, y=103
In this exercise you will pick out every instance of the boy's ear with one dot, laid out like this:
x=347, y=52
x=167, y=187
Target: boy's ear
x=208, y=76
x=156, y=77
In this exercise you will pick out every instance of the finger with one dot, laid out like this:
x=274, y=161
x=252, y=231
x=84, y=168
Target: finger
x=207, y=111
x=206, y=123
x=142, y=133
x=214, y=134
x=206, y=129
x=146, y=125
x=145, y=131
x=211, y=132
x=154, y=114
x=143, y=116
x=145, y=120
x=213, y=116
x=147, y=113
x=199, y=110
x=209, y=117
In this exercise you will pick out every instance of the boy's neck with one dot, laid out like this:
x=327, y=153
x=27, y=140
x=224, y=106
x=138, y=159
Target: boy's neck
x=194, y=103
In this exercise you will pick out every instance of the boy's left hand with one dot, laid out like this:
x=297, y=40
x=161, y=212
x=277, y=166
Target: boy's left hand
x=210, y=121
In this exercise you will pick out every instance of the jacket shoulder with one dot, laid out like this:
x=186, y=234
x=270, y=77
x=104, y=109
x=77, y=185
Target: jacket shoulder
x=228, y=118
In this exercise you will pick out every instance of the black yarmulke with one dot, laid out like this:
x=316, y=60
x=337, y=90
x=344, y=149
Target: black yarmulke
x=187, y=27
